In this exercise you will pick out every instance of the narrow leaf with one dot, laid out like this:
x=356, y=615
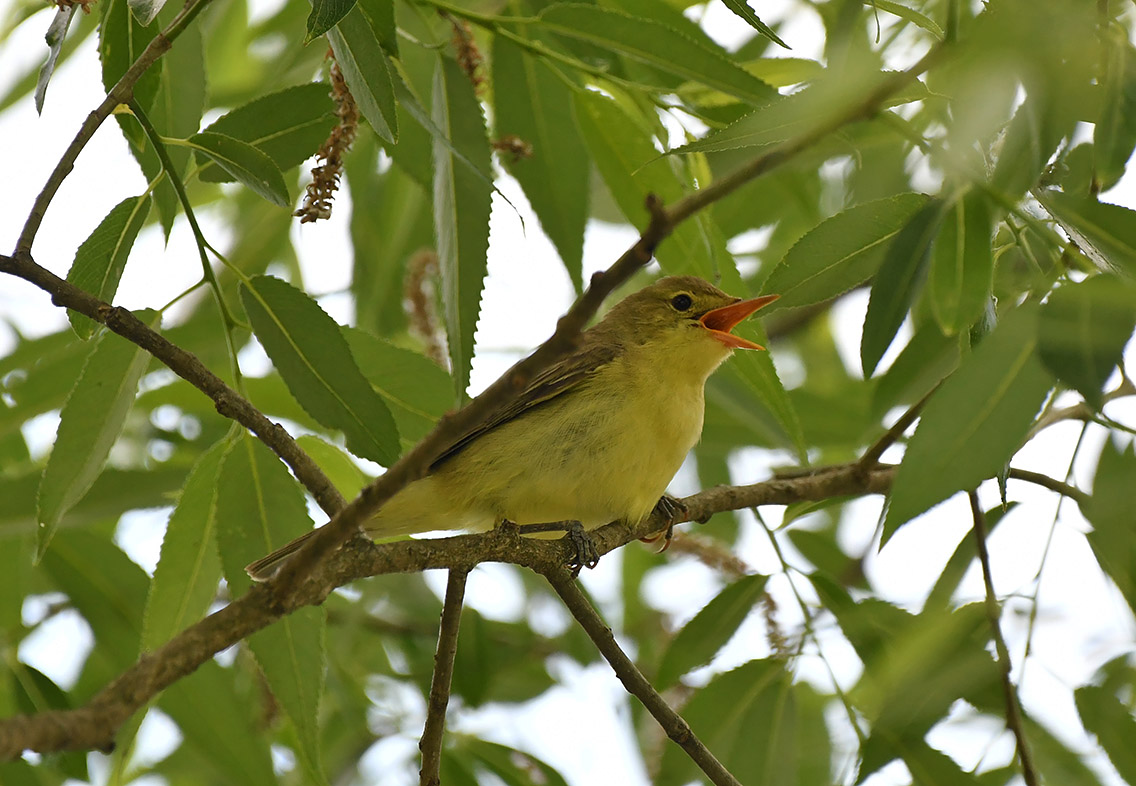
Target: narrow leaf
x=657, y=45
x=1106, y=233
x=532, y=103
x=89, y=424
x=357, y=44
x=56, y=33
x=1114, y=135
x=962, y=267
x=288, y=126
x=1029, y=142
x=325, y=14
x=244, y=162
x=1105, y=716
x=185, y=580
x=975, y=422
x=461, y=212
x=415, y=388
x=1109, y=510
x=740, y=8
x=841, y=252
x=308, y=350
x=910, y=15
x=1083, y=330
x=717, y=622
x=631, y=167
x=101, y=258
x=260, y=508
x=897, y=282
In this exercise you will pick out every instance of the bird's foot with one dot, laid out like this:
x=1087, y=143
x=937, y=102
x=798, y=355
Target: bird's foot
x=673, y=512
x=584, y=552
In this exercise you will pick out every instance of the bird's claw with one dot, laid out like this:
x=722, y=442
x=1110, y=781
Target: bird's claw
x=673, y=511
x=584, y=553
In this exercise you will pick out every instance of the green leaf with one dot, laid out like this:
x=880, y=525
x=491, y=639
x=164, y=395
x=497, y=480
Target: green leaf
x=656, y=45
x=1112, y=723
x=762, y=727
x=1106, y=233
x=515, y=768
x=532, y=102
x=1109, y=510
x=122, y=39
x=101, y=258
x=415, y=388
x=1030, y=140
x=107, y=589
x=244, y=162
x=89, y=424
x=1083, y=330
x=1114, y=135
x=461, y=212
x=234, y=745
x=713, y=626
x=975, y=422
x=325, y=14
x=145, y=10
x=56, y=33
x=339, y=467
x=185, y=580
x=910, y=15
x=964, y=554
x=288, y=126
x=632, y=168
x=260, y=508
x=962, y=266
x=897, y=282
x=740, y=8
x=309, y=351
x=841, y=252
x=357, y=42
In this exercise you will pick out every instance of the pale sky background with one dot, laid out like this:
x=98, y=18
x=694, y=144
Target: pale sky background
x=1083, y=620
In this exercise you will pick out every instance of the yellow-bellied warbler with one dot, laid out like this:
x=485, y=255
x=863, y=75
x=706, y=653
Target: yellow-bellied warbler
x=595, y=438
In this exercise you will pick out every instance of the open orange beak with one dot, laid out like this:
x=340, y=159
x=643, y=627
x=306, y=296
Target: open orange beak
x=722, y=320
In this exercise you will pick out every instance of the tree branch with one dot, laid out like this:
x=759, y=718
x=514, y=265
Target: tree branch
x=634, y=681
x=993, y=614
x=94, y=725
x=186, y=365
x=431, y=742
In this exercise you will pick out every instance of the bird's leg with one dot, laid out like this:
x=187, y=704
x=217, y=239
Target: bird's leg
x=672, y=511
x=584, y=553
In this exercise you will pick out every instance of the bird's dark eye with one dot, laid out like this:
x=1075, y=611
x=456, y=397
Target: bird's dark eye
x=681, y=302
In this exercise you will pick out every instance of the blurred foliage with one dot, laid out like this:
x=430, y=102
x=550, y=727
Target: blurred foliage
x=972, y=207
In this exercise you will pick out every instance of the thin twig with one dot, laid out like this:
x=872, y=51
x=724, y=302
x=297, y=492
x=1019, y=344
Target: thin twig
x=1053, y=484
x=634, y=681
x=121, y=93
x=431, y=742
x=993, y=614
x=872, y=455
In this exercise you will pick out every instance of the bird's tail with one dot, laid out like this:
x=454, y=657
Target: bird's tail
x=265, y=567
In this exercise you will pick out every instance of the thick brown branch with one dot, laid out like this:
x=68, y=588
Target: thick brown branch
x=994, y=614
x=634, y=681
x=94, y=725
x=431, y=742
x=187, y=366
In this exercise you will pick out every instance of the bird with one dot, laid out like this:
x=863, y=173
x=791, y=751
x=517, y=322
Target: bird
x=596, y=437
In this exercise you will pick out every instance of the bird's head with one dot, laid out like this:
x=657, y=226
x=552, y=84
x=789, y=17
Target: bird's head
x=687, y=318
